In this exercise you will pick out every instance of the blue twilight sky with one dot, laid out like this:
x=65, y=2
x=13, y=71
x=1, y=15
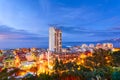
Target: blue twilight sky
x=25, y=23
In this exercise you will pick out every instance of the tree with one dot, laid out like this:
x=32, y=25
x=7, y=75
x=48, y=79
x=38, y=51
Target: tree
x=56, y=66
x=116, y=58
x=59, y=66
x=44, y=76
x=116, y=75
x=4, y=74
x=99, y=58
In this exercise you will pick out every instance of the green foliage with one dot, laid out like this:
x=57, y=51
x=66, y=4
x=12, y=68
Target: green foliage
x=97, y=62
x=116, y=75
x=98, y=59
x=45, y=76
x=58, y=66
x=4, y=74
x=116, y=58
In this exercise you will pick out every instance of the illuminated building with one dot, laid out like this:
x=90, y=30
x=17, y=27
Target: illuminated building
x=27, y=65
x=9, y=62
x=30, y=56
x=116, y=49
x=55, y=39
x=84, y=46
x=91, y=46
x=110, y=45
x=105, y=46
x=98, y=46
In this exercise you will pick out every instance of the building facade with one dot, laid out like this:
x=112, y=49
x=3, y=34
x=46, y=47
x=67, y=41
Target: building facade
x=55, y=40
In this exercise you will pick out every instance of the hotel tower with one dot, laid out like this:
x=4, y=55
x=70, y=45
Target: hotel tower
x=55, y=40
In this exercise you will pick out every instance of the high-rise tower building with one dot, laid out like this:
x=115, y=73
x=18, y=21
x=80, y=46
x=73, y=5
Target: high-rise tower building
x=55, y=39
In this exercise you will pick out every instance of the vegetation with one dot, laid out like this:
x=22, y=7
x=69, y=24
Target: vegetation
x=4, y=75
x=116, y=58
x=102, y=65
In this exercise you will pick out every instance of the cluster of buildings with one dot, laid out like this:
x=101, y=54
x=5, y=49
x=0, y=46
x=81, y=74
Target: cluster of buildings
x=88, y=48
x=55, y=43
x=37, y=60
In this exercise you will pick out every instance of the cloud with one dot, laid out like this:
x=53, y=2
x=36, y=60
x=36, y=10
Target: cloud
x=44, y=7
x=14, y=38
x=69, y=29
x=116, y=28
x=80, y=16
x=103, y=34
x=75, y=31
x=10, y=33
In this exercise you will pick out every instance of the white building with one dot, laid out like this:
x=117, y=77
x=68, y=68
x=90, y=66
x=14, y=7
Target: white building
x=110, y=45
x=98, y=46
x=55, y=39
x=84, y=46
x=91, y=46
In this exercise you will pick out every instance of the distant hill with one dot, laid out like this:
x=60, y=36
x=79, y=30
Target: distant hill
x=115, y=41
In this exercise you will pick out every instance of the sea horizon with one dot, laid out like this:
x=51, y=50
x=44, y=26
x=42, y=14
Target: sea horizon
x=65, y=45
